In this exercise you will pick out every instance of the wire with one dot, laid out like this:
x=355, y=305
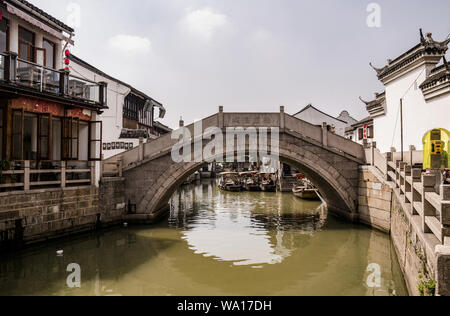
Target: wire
x=84, y=77
x=404, y=95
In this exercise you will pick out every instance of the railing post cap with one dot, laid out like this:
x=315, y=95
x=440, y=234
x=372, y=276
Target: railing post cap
x=282, y=109
x=13, y=54
x=220, y=108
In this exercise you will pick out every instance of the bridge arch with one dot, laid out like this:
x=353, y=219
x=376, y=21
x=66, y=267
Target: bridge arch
x=330, y=161
x=337, y=190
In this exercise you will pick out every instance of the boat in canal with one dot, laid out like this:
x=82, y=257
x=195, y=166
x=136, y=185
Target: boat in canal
x=250, y=181
x=306, y=191
x=230, y=181
x=268, y=182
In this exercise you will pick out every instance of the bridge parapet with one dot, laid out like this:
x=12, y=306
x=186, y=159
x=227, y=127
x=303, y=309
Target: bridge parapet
x=316, y=135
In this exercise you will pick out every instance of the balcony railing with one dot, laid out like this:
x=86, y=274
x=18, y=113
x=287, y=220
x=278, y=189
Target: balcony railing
x=61, y=83
x=32, y=175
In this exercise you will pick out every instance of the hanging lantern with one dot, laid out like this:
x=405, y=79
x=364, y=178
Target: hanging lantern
x=67, y=61
x=67, y=53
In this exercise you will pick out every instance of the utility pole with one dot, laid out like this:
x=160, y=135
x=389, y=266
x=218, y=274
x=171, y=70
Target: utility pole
x=401, y=127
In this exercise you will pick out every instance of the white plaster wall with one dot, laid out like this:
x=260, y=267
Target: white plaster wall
x=112, y=117
x=316, y=118
x=418, y=116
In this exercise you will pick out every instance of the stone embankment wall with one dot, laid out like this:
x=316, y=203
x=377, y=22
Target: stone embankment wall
x=424, y=262
x=30, y=217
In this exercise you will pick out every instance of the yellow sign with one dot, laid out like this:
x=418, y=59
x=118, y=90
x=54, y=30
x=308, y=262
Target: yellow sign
x=436, y=149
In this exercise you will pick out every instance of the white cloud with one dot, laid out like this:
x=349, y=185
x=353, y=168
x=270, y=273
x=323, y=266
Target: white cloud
x=203, y=22
x=130, y=44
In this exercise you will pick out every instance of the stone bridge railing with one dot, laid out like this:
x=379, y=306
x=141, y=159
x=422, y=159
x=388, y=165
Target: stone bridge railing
x=318, y=135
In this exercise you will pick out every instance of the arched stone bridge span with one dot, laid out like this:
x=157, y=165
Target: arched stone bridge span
x=330, y=161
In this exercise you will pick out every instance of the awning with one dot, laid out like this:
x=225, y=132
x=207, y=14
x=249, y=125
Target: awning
x=35, y=22
x=162, y=109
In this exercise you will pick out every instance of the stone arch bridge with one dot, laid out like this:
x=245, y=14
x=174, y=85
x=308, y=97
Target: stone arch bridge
x=330, y=161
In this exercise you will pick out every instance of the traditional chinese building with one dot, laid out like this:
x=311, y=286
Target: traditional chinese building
x=417, y=81
x=315, y=116
x=49, y=117
x=131, y=114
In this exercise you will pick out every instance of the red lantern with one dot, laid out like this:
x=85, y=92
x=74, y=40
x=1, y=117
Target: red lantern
x=67, y=53
x=67, y=61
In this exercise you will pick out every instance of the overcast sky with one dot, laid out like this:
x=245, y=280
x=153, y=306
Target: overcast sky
x=248, y=55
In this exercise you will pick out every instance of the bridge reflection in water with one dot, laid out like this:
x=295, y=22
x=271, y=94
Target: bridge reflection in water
x=216, y=243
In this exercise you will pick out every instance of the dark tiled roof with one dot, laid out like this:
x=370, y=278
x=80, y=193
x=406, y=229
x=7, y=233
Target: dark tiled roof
x=162, y=126
x=36, y=10
x=310, y=106
x=375, y=107
x=88, y=66
x=439, y=74
x=427, y=46
x=133, y=133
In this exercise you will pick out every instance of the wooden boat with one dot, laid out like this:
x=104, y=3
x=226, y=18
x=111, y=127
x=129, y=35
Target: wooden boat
x=268, y=184
x=306, y=191
x=250, y=181
x=230, y=181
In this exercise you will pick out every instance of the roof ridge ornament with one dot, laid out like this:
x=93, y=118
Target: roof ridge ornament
x=378, y=70
x=365, y=102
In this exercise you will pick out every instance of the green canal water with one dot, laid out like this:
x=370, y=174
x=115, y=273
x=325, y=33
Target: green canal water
x=217, y=243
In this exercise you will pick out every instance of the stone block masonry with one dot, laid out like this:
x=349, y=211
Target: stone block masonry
x=375, y=199
x=424, y=261
x=36, y=216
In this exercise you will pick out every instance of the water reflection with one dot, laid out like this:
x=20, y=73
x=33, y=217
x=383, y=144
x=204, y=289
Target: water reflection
x=215, y=243
x=243, y=228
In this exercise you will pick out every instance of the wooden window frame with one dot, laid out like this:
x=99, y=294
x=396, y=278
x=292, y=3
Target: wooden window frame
x=49, y=117
x=371, y=132
x=96, y=140
x=31, y=46
x=68, y=139
x=8, y=34
x=53, y=66
x=2, y=133
x=22, y=115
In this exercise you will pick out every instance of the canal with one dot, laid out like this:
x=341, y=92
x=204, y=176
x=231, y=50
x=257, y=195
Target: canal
x=216, y=243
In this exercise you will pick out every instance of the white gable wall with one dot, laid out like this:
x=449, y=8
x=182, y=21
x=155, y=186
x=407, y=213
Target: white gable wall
x=419, y=116
x=315, y=117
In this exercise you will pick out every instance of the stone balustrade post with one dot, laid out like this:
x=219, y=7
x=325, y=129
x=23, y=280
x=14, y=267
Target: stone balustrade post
x=63, y=174
x=412, y=149
x=325, y=134
x=92, y=168
x=429, y=184
x=120, y=167
x=445, y=211
x=26, y=176
x=408, y=184
x=141, y=149
x=373, y=147
x=221, y=122
x=282, y=119
x=416, y=176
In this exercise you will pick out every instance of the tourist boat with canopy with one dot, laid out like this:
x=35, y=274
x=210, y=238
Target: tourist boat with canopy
x=250, y=181
x=230, y=181
x=268, y=182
